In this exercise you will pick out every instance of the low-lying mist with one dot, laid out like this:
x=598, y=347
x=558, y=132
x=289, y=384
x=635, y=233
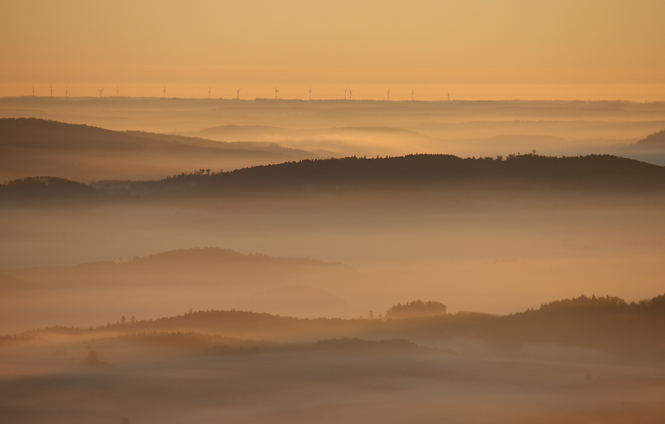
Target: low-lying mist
x=143, y=280
x=490, y=251
x=573, y=360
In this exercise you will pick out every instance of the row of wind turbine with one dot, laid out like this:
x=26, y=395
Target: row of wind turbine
x=346, y=90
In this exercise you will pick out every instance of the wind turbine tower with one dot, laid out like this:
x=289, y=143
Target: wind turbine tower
x=164, y=93
x=51, y=91
x=350, y=93
x=388, y=93
x=209, y=91
x=276, y=91
x=100, y=92
x=310, y=93
x=33, y=91
x=412, y=94
x=345, y=93
x=238, y=94
x=66, y=92
x=448, y=96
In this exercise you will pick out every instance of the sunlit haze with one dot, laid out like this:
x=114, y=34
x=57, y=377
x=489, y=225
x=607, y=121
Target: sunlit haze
x=324, y=212
x=481, y=49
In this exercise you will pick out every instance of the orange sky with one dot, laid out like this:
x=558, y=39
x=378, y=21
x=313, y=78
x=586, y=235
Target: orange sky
x=483, y=49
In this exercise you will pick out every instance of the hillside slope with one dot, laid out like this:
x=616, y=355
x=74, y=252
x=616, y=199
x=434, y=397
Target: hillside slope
x=35, y=147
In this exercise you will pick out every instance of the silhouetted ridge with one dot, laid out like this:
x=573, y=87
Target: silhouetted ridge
x=607, y=304
x=41, y=133
x=47, y=134
x=655, y=141
x=214, y=256
x=46, y=189
x=353, y=172
x=594, y=172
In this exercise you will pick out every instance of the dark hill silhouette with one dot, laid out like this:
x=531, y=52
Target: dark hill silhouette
x=417, y=308
x=30, y=146
x=46, y=189
x=40, y=133
x=595, y=172
x=653, y=142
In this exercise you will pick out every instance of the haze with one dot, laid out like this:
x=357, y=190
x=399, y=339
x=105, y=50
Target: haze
x=476, y=50
x=332, y=212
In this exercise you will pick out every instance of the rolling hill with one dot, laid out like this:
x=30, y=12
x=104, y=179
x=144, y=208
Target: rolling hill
x=603, y=323
x=35, y=147
x=380, y=175
x=653, y=142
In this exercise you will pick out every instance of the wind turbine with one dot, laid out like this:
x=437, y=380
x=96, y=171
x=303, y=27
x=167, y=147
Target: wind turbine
x=412, y=94
x=276, y=91
x=33, y=91
x=209, y=91
x=350, y=92
x=164, y=92
x=345, y=93
x=310, y=93
x=51, y=91
x=66, y=92
x=448, y=96
x=388, y=93
x=238, y=94
x=100, y=92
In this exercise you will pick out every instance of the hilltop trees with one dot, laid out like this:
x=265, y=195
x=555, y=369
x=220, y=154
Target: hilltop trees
x=417, y=308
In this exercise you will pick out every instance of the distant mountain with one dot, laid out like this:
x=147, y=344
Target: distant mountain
x=194, y=267
x=30, y=147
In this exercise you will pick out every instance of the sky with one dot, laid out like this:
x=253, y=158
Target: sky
x=473, y=49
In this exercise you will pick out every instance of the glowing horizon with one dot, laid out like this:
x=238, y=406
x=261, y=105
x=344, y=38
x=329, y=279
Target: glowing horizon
x=630, y=93
x=478, y=50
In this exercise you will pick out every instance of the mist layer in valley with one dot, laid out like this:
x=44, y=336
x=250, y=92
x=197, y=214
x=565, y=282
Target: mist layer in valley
x=331, y=128
x=176, y=261
x=574, y=360
x=485, y=234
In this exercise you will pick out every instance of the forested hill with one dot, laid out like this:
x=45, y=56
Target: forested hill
x=594, y=172
x=422, y=170
x=655, y=141
x=606, y=323
x=32, y=133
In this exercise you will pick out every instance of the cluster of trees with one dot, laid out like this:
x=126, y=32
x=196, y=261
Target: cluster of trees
x=605, y=304
x=417, y=308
